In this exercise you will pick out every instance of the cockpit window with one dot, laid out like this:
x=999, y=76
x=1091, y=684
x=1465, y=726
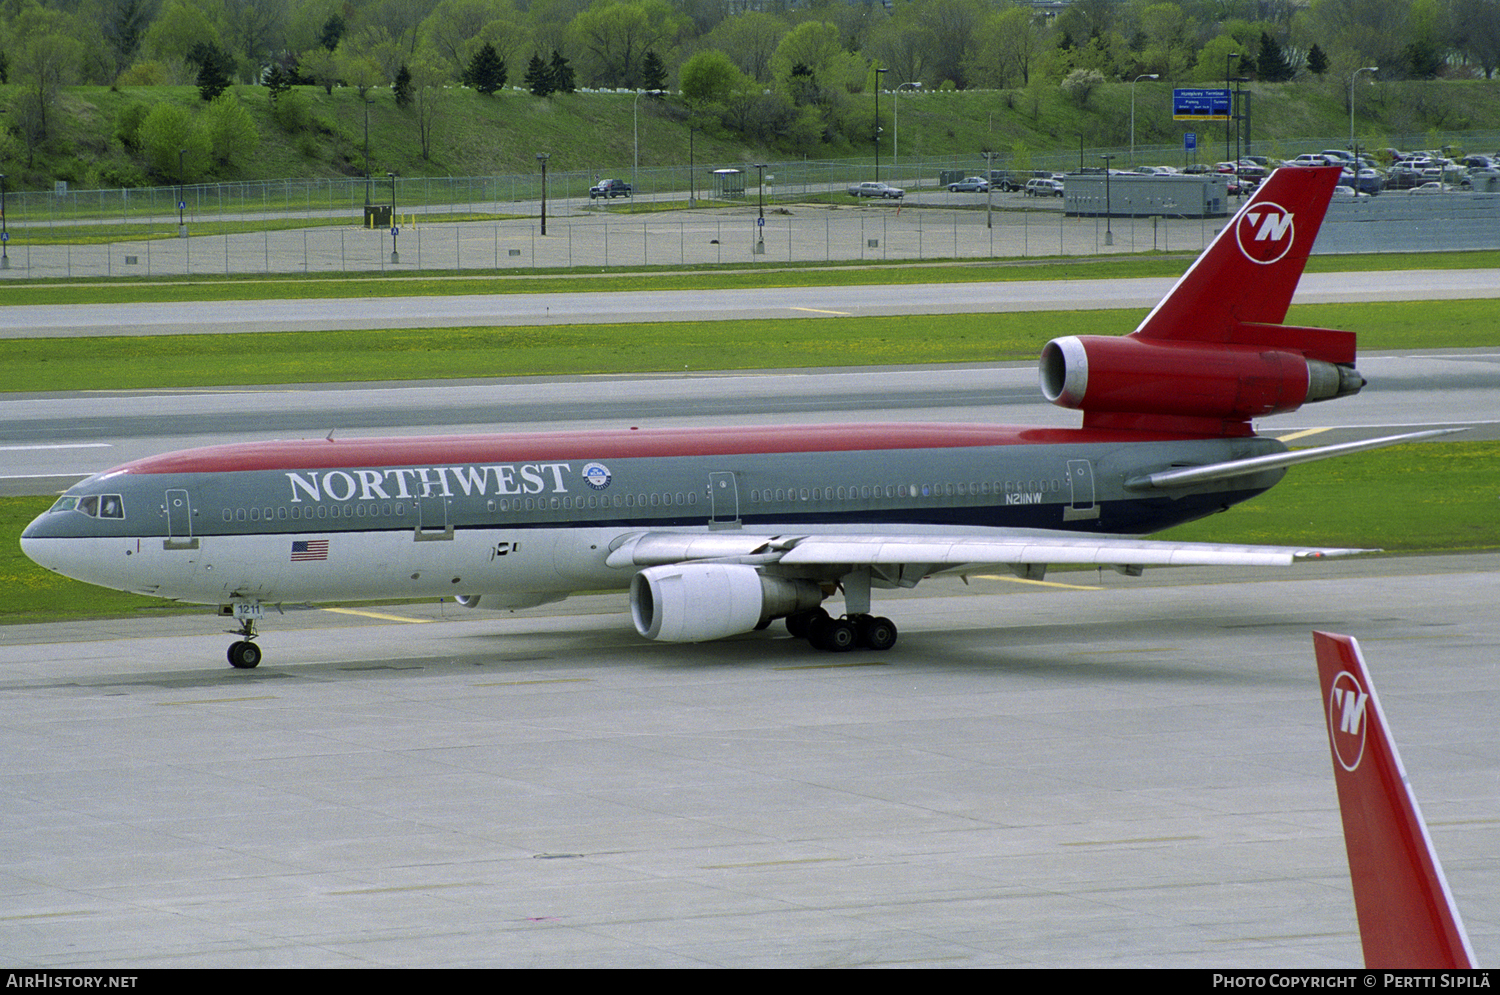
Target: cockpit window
x=93, y=505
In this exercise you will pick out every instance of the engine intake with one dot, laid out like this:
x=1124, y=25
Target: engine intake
x=697, y=602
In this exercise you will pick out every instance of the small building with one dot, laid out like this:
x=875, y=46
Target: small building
x=1136, y=195
x=729, y=184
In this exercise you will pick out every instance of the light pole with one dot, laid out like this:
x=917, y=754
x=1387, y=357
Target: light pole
x=1230, y=119
x=1366, y=69
x=395, y=228
x=989, y=186
x=896, y=127
x=1109, y=232
x=1132, y=112
x=367, y=154
x=542, y=158
x=4, y=231
x=760, y=222
x=879, y=73
x=181, y=195
x=636, y=117
x=1238, y=117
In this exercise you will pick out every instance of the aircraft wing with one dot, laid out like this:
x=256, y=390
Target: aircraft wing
x=945, y=551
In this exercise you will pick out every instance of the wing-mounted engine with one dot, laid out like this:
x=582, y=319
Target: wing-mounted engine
x=696, y=602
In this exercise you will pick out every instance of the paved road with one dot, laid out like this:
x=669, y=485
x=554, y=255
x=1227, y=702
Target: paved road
x=692, y=305
x=1113, y=773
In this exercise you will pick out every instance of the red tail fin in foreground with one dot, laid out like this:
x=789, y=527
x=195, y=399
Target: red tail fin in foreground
x=1406, y=913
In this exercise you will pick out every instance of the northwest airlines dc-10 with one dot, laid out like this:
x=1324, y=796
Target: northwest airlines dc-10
x=719, y=531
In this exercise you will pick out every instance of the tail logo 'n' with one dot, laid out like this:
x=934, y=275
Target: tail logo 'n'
x=1265, y=232
x=1346, y=725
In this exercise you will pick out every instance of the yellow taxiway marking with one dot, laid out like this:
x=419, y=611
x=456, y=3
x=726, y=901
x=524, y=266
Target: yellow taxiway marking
x=47, y=915
x=396, y=888
x=832, y=666
x=379, y=615
x=772, y=863
x=818, y=310
x=555, y=680
x=1300, y=435
x=220, y=701
x=1142, y=839
x=1039, y=583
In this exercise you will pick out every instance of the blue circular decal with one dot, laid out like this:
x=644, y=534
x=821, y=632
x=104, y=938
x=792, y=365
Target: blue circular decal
x=596, y=475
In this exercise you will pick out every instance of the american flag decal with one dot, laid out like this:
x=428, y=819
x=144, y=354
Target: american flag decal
x=309, y=549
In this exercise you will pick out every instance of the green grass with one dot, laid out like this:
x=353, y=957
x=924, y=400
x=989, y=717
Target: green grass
x=1418, y=498
x=181, y=361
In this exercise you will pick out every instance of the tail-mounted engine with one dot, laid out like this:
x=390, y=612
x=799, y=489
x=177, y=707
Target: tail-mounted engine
x=1140, y=383
x=696, y=602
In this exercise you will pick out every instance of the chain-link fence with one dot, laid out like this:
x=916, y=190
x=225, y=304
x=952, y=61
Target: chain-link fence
x=788, y=212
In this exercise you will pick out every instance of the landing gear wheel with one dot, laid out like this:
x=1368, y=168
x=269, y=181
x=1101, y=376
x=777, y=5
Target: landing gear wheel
x=876, y=632
x=800, y=623
x=244, y=655
x=836, y=635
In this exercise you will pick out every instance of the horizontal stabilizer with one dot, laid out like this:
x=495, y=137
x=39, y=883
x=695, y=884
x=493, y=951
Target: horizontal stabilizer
x=1190, y=475
x=1407, y=918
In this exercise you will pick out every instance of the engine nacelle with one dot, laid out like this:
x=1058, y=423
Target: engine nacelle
x=696, y=602
x=467, y=600
x=1101, y=374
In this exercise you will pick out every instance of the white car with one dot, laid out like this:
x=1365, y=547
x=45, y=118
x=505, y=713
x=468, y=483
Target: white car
x=877, y=189
x=1043, y=188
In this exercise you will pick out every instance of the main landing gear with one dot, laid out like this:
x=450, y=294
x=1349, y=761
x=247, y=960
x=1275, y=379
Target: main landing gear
x=839, y=635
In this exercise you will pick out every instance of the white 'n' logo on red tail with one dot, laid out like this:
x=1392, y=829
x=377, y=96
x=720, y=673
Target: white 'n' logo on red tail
x=1265, y=232
x=1346, y=715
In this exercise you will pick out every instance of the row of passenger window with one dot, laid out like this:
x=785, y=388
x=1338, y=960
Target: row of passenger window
x=596, y=502
x=892, y=491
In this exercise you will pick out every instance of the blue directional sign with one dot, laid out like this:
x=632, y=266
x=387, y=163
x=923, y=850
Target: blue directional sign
x=1189, y=140
x=760, y=222
x=395, y=230
x=1201, y=105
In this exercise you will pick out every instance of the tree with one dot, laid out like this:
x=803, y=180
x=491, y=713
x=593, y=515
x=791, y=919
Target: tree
x=47, y=58
x=171, y=142
x=1080, y=84
x=429, y=99
x=231, y=133
x=1272, y=65
x=318, y=65
x=538, y=77
x=333, y=31
x=653, y=72
x=486, y=72
x=403, y=86
x=1317, y=62
x=562, y=74
x=707, y=79
x=613, y=37
x=213, y=70
x=278, y=82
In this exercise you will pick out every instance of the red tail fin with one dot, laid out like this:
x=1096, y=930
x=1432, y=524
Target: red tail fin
x=1250, y=271
x=1406, y=913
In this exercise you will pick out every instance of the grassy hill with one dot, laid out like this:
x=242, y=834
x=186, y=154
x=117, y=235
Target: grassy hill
x=595, y=132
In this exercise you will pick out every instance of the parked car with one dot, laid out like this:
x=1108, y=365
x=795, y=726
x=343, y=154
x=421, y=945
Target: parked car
x=970, y=184
x=874, y=188
x=1432, y=187
x=1043, y=188
x=609, y=189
